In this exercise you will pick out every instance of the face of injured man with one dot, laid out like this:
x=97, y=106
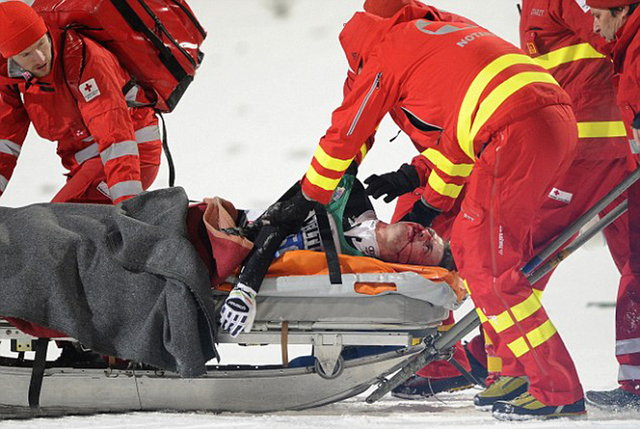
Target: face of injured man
x=410, y=243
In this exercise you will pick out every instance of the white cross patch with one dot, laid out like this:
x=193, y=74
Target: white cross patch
x=89, y=90
x=562, y=196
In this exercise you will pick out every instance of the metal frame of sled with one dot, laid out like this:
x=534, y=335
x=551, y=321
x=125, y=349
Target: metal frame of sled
x=239, y=388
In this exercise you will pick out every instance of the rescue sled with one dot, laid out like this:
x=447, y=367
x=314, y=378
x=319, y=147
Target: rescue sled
x=390, y=313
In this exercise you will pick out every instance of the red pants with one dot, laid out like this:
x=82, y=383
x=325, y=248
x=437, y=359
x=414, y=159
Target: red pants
x=585, y=183
x=491, y=241
x=628, y=304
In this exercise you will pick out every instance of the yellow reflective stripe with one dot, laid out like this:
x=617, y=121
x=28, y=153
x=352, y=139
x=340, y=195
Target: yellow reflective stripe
x=503, y=91
x=541, y=334
x=442, y=187
x=363, y=151
x=518, y=347
x=526, y=308
x=321, y=181
x=536, y=337
x=567, y=54
x=494, y=364
x=482, y=316
x=520, y=311
x=444, y=328
x=471, y=98
x=538, y=293
x=601, y=129
x=443, y=164
x=329, y=162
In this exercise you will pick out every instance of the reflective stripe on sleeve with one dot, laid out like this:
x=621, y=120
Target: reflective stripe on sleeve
x=118, y=150
x=148, y=134
x=376, y=82
x=123, y=189
x=601, y=129
x=10, y=148
x=443, y=188
x=625, y=347
x=445, y=165
x=3, y=183
x=363, y=151
x=87, y=153
x=321, y=181
x=567, y=54
x=329, y=162
x=629, y=372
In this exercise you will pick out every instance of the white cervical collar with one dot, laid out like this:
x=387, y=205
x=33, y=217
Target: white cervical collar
x=363, y=237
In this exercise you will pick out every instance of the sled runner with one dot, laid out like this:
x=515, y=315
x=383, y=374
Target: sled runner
x=388, y=311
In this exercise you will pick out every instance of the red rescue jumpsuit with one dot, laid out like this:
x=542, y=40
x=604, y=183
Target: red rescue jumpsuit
x=489, y=106
x=112, y=151
x=626, y=62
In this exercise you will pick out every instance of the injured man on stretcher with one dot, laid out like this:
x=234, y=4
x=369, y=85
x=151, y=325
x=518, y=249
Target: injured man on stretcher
x=351, y=226
x=128, y=280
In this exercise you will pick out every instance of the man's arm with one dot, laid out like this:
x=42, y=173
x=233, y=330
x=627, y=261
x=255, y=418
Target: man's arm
x=106, y=115
x=14, y=124
x=373, y=94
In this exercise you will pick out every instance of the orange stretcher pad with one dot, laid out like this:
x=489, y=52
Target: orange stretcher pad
x=306, y=262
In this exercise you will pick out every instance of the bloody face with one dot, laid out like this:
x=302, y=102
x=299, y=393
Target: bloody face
x=36, y=59
x=409, y=243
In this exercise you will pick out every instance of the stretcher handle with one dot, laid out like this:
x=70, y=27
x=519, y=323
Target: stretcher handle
x=580, y=222
x=444, y=342
x=579, y=241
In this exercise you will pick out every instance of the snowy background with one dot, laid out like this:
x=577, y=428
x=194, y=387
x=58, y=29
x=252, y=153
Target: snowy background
x=246, y=130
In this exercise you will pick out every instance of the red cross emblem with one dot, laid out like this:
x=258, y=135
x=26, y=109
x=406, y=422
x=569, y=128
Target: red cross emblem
x=88, y=87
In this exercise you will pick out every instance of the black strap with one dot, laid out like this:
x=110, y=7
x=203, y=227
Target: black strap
x=167, y=152
x=37, y=373
x=333, y=262
x=166, y=56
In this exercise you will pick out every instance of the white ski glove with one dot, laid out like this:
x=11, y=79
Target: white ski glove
x=239, y=310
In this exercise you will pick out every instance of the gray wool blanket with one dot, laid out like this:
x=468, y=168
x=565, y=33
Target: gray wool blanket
x=124, y=281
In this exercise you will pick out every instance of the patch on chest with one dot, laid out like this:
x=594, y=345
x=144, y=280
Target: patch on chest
x=89, y=90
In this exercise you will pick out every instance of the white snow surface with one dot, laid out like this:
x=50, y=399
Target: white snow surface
x=247, y=129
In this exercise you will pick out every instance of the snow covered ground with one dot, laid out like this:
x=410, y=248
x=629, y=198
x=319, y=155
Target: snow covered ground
x=247, y=129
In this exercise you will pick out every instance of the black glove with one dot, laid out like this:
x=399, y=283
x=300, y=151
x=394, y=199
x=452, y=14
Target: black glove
x=393, y=184
x=421, y=213
x=288, y=214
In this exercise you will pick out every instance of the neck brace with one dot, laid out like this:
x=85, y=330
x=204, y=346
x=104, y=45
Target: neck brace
x=363, y=237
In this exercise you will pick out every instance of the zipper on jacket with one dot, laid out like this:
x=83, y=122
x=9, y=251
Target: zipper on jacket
x=376, y=83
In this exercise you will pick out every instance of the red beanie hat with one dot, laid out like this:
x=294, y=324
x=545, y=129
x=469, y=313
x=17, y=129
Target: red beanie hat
x=607, y=4
x=20, y=27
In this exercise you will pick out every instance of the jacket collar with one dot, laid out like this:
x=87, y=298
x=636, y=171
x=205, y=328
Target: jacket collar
x=624, y=37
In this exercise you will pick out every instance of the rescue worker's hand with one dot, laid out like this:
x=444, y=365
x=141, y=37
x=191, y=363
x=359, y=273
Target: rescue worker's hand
x=393, y=184
x=287, y=215
x=421, y=213
x=239, y=310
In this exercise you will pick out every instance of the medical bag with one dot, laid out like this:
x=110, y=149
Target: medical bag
x=156, y=41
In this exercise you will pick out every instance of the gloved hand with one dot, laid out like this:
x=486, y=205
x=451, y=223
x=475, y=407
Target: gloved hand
x=239, y=310
x=393, y=184
x=421, y=213
x=287, y=215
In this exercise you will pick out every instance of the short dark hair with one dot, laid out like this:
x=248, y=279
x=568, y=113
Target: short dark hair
x=632, y=7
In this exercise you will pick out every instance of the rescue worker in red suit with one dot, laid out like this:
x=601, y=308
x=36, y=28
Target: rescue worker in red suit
x=71, y=90
x=438, y=376
x=477, y=108
x=557, y=34
x=618, y=21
